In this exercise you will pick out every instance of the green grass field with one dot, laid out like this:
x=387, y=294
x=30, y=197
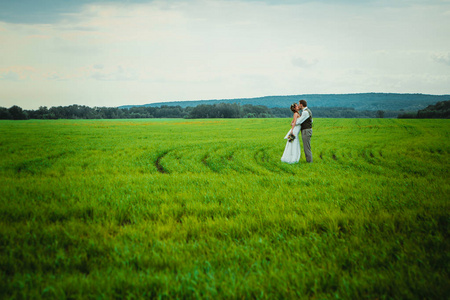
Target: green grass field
x=205, y=209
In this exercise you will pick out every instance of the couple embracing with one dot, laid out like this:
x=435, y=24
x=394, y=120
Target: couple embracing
x=302, y=122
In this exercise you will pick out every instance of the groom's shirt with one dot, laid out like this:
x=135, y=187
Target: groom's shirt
x=305, y=116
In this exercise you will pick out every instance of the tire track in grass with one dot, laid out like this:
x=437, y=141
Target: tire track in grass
x=175, y=161
x=224, y=160
x=367, y=155
x=368, y=158
x=230, y=156
x=211, y=160
x=158, y=165
x=206, y=160
x=188, y=161
x=266, y=163
x=218, y=162
x=236, y=163
x=39, y=165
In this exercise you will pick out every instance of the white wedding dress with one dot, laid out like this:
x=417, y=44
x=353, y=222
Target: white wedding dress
x=292, y=152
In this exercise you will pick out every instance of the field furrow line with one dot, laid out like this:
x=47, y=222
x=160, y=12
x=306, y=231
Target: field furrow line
x=158, y=165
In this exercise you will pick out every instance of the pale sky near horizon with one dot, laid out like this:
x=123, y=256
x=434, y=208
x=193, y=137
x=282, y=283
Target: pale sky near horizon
x=111, y=53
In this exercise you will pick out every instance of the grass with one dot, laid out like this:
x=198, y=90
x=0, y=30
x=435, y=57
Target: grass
x=205, y=209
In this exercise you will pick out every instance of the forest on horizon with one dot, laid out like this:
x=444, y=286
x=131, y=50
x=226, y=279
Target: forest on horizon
x=218, y=110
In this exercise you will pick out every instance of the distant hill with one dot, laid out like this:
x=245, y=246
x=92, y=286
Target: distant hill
x=364, y=101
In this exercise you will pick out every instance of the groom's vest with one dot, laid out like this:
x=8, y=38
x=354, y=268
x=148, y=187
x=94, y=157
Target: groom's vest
x=307, y=124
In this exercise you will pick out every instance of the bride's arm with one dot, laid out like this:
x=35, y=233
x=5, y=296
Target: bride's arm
x=294, y=121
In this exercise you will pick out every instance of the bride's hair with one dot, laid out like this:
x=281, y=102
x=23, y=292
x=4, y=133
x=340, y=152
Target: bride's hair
x=293, y=107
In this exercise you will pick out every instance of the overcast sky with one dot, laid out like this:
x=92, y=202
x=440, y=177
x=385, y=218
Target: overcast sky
x=111, y=53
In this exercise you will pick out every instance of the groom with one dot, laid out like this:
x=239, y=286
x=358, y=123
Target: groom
x=306, y=121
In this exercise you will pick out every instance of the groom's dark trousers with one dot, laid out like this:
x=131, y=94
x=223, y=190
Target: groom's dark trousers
x=306, y=139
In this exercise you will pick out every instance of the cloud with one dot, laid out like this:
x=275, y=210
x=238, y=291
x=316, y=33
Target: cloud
x=114, y=73
x=304, y=63
x=442, y=58
x=37, y=12
x=17, y=73
x=158, y=50
x=10, y=75
x=39, y=36
x=52, y=75
x=54, y=11
x=57, y=11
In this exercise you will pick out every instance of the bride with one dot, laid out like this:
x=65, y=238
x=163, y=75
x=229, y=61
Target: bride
x=291, y=153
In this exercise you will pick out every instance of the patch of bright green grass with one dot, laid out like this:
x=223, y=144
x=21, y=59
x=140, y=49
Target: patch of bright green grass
x=206, y=209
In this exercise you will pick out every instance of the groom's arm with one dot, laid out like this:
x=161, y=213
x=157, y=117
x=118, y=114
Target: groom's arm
x=303, y=117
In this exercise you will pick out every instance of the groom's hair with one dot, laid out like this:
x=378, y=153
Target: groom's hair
x=303, y=102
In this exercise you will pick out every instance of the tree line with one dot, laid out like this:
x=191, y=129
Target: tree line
x=440, y=110
x=218, y=110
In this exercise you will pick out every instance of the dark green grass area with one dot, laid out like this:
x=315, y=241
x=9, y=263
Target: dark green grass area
x=205, y=209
